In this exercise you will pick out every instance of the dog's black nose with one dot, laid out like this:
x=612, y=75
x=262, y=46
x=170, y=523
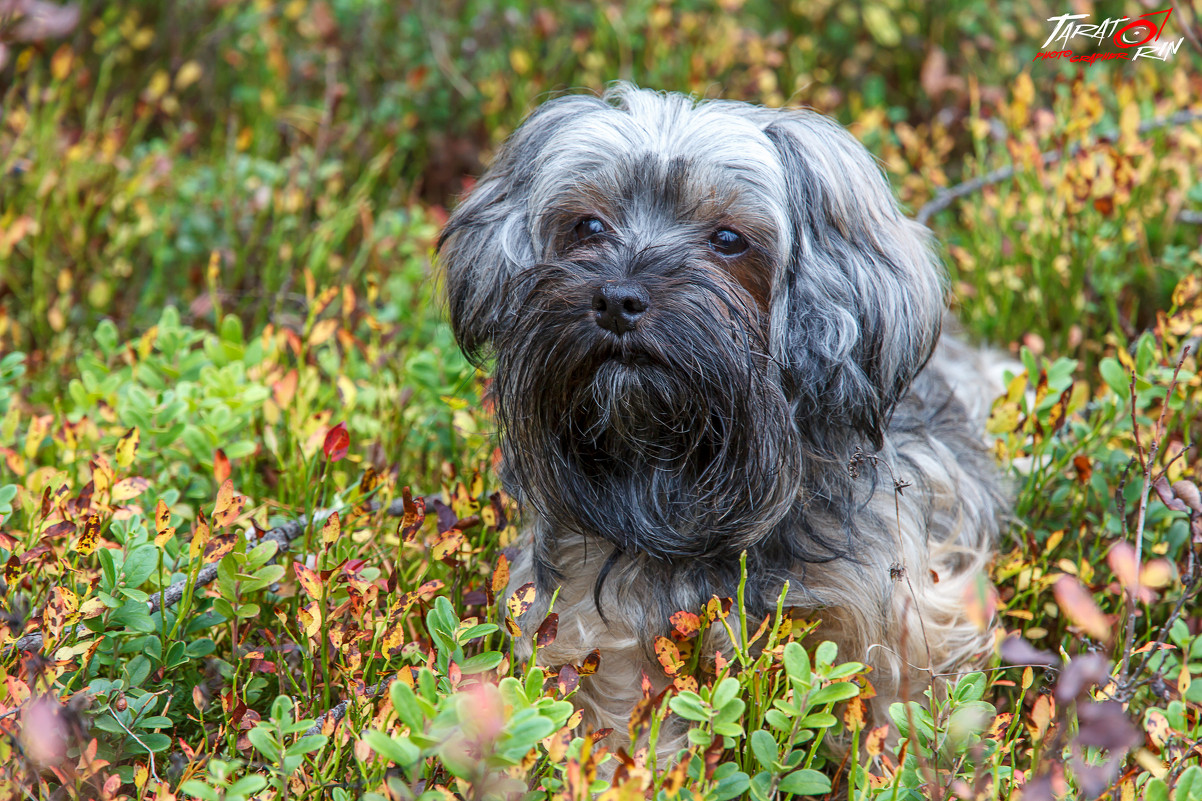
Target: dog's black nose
x=619, y=305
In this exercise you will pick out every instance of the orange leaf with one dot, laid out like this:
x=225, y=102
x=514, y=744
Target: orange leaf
x=309, y=581
x=128, y=488
x=500, y=576
x=1078, y=604
x=221, y=466
x=285, y=389
x=228, y=505
x=668, y=655
x=686, y=623
x=322, y=331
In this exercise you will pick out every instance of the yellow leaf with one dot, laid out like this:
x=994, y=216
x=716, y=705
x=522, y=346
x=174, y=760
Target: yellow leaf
x=331, y=530
x=127, y=448
x=449, y=542
x=310, y=618
x=102, y=475
x=160, y=82
x=60, y=64
x=90, y=537
x=39, y=426
x=162, y=516
x=520, y=601
x=200, y=536
x=188, y=74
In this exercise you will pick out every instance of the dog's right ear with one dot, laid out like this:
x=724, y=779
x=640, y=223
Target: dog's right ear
x=490, y=237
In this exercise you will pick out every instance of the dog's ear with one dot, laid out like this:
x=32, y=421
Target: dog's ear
x=858, y=309
x=490, y=236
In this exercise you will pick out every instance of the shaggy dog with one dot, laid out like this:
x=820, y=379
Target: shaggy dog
x=713, y=331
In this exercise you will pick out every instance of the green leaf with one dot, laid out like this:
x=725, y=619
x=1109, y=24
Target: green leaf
x=198, y=648
x=726, y=691
x=763, y=745
x=404, y=701
x=824, y=655
x=731, y=787
x=154, y=722
x=479, y=630
x=140, y=564
x=1115, y=376
x=307, y=745
x=394, y=749
x=260, y=737
x=247, y=785
x=690, y=707
x=482, y=662
x=201, y=790
x=150, y=741
x=1189, y=784
x=832, y=693
x=134, y=615
x=797, y=663
x=805, y=782
x=818, y=720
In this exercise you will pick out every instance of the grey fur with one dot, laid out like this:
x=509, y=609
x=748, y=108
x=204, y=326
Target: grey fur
x=727, y=420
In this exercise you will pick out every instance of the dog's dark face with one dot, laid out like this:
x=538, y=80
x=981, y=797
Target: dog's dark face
x=695, y=310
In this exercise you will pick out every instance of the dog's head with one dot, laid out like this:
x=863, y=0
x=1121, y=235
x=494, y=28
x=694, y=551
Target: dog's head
x=690, y=304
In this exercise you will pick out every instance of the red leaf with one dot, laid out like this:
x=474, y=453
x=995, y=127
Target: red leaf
x=569, y=679
x=547, y=630
x=338, y=441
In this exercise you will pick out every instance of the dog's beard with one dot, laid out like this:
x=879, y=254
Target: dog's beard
x=674, y=440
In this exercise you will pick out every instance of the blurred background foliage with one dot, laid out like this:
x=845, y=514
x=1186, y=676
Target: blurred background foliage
x=331, y=135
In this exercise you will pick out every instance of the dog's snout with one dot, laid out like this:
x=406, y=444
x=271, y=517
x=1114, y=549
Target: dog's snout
x=619, y=305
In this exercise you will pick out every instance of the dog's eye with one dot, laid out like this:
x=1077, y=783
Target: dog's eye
x=728, y=242
x=589, y=226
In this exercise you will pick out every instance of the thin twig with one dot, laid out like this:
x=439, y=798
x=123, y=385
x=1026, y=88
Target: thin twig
x=944, y=198
x=338, y=711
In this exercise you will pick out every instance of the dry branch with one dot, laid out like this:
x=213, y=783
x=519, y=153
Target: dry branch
x=944, y=198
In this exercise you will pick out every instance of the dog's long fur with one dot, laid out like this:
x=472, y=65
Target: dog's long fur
x=729, y=418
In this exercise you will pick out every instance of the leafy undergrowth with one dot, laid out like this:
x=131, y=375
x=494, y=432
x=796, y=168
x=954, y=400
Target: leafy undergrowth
x=252, y=540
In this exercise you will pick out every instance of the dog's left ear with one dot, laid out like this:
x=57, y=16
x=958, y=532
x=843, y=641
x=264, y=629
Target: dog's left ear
x=858, y=309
